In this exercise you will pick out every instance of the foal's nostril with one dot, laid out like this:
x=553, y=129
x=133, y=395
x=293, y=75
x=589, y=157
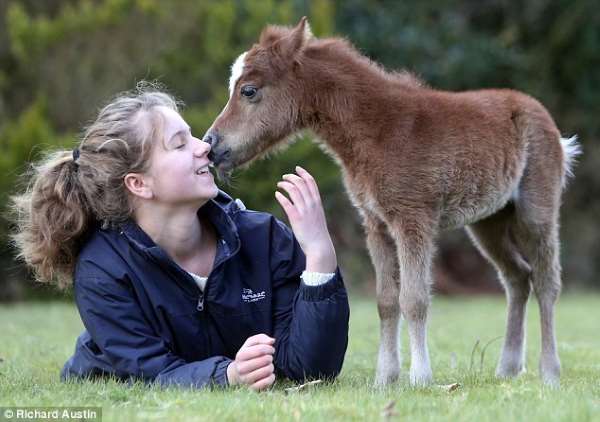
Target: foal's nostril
x=210, y=139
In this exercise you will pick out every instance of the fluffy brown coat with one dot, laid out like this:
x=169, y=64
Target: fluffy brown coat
x=416, y=161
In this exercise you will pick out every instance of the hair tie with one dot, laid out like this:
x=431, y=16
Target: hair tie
x=75, y=154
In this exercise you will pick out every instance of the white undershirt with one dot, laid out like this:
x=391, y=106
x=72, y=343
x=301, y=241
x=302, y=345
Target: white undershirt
x=200, y=281
x=309, y=278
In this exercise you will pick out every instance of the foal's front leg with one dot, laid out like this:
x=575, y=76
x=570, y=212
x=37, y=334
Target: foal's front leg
x=382, y=249
x=414, y=242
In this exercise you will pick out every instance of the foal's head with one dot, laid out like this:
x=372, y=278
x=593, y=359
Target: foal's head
x=265, y=94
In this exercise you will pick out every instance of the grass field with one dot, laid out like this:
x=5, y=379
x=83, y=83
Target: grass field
x=36, y=339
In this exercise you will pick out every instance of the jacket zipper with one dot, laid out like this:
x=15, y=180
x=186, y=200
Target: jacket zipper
x=200, y=306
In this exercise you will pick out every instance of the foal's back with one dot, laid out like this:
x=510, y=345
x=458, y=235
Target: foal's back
x=465, y=152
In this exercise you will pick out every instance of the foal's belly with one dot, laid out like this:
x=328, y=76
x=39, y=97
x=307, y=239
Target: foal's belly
x=455, y=217
x=456, y=201
x=456, y=212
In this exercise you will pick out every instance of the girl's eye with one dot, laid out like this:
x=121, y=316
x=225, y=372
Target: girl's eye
x=182, y=141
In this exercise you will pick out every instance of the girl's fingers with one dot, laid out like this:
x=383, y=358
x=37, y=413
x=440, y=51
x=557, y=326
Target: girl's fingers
x=251, y=352
x=294, y=194
x=310, y=182
x=258, y=374
x=246, y=367
x=259, y=339
x=300, y=184
x=286, y=204
x=263, y=383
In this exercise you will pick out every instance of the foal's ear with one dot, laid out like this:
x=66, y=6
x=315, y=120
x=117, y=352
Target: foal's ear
x=289, y=45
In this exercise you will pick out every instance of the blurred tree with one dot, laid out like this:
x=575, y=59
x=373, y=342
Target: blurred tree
x=547, y=48
x=60, y=60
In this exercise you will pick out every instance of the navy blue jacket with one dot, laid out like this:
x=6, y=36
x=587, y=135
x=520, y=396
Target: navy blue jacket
x=146, y=318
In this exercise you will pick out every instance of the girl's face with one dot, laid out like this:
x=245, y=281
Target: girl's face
x=179, y=172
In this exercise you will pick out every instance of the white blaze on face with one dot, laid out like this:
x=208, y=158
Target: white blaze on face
x=236, y=71
x=237, y=68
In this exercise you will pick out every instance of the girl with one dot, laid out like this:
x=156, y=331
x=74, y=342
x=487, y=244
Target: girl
x=175, y=282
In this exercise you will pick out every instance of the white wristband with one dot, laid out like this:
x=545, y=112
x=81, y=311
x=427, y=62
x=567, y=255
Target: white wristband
x=315, y=279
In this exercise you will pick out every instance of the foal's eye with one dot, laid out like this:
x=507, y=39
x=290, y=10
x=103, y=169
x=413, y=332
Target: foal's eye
x=248, y=91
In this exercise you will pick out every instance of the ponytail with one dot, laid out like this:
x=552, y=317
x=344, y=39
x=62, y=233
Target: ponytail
x=52, y=218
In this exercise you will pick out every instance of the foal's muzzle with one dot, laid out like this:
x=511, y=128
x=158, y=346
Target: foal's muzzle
x=212, y=138
x=216, y=154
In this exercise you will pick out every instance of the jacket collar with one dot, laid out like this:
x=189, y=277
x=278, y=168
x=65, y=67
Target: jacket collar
x=219, y=212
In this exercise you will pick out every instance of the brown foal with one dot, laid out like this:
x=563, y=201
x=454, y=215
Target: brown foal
x=416, y=161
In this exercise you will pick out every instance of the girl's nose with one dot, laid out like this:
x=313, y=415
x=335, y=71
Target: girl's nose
x=202, y=148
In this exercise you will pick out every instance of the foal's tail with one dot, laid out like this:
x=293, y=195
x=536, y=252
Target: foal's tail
x=572, y=150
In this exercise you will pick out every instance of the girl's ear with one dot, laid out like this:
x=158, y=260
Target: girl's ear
x=138, y=185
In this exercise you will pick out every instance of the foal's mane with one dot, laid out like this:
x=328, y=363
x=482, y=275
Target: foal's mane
x=340, y=50
x=335, y=52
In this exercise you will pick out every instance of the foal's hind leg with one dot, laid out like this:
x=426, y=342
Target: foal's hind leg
x=385, y=260
x=494, y=240
x=414, y=243
x=538, y=235
x=547, y=286
x=537, y=210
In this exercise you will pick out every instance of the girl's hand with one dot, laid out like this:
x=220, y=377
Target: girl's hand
x=253, y=364
x=307, y=218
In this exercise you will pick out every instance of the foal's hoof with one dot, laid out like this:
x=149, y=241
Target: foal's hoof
x=510, y=371
x=383, y=380
x=422, y=378
x=551, y=382
x=550, y=373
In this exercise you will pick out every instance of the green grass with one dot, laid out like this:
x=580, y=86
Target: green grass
x=37, y=338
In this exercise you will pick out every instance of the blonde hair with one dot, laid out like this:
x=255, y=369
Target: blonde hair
x=72, y=191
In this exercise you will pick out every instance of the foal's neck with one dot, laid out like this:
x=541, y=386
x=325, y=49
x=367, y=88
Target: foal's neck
x=347, y=97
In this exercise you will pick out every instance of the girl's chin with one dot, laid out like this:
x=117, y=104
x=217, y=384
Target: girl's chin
x=215, y=192
x=209, y=192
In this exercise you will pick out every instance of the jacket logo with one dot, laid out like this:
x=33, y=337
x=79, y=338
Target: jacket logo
x=249, y=296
